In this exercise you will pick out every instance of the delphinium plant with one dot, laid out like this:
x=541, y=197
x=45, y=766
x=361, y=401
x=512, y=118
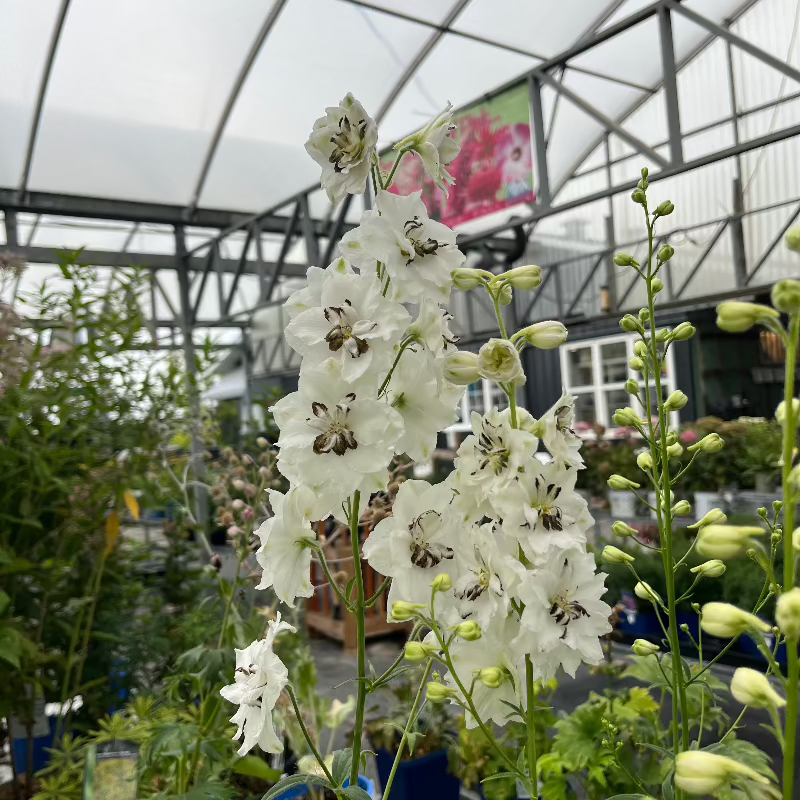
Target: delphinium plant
x=490, y=565
x=727, y=766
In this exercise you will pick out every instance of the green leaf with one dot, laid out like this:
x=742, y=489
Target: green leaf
x=499, y=776
x=663, y=751
x=254, y=767
x=667, y=791
x=5, y=601
x=356, y=793
x=630, y=797
x=296, y=780
x=342, y=764
x=745, y=753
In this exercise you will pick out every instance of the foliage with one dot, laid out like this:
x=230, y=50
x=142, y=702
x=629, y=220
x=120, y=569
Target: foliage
x=605, y=457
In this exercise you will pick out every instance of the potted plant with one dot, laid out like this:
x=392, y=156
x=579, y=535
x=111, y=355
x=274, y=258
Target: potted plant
x=609, y=457
x=424, y=759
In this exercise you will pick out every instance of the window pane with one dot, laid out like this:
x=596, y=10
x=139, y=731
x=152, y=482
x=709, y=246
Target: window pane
x=584, y=409
x=616, y=398
x=475, y=398
x=498, y=397
x=614, y=358
x=580, y=367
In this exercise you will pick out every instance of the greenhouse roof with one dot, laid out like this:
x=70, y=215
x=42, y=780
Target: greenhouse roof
x=207, y=104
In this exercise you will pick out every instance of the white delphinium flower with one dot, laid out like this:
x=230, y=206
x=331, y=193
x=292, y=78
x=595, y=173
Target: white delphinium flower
x=564, y=615
x=284, y=554
x=432, y=328
x=498, y=360
x=419, y=254
x=436, y=146
x=427, y=405
x=467, y=504
x=558, y=436
x=491, y=459
x=542, y=509
x=310, y=295
x=493, y=653
x=259, y=681
x=416, y=543
x=343, y=143
x=488, y=574
x=335, y=436
x=353, y=324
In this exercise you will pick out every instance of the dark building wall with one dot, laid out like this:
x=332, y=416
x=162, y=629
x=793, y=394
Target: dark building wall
x=544, y=379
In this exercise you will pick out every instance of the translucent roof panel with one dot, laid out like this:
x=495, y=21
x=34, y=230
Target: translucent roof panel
x=136, y=91
x=24, y=39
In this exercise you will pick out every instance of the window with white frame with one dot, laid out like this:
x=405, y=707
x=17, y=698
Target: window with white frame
x=594, y=371
x=481, y=396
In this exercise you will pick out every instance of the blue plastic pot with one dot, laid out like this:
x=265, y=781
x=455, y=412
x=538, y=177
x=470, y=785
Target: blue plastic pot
x=299, y=792
x=41, y=758
x=429, y=772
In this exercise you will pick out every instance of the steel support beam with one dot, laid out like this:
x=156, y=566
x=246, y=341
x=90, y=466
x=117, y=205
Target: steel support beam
x=737, y=234
x=608, y=123
x=526, y=317
x=699, y=263
x=286, y=244
x=309, y=237
x=729, y=36
x=239, y=270
x=252, y=55
x=584, y=286
x=336, y=232
x=212, y=254
x=670, y=85
x=776, y=240
x=12, y=234
x=539, y=142
x=39, y=107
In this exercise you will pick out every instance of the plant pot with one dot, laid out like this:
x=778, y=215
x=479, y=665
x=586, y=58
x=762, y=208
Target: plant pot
x=429, y=772
x=41, y=747
x=705, y=502
x=299, y=792
x=623, y=504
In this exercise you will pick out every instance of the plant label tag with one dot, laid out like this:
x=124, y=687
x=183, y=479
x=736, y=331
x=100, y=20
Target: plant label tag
x=111, y=771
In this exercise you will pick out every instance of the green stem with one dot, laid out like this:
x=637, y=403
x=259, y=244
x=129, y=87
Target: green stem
x=511, y=390
x=228, y=604
x=386, y=676
x=734, y=726
x=378, y=592
x=360, y=635
x=411, y=718
x=309, y=740
x=793, y=665
x=530, y=714
x=396, y=164
x=407, y=343
x=331, y=581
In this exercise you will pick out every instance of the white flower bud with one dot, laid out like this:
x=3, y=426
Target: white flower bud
x=262, y=442
x=676, y=401
x=714, y=517
x=675, y=450
x=726, y=621
x=461, y=367
x=726, y=541
x=644, y=591
x=403, y=612
x=735, y=316
x=498, y=360
x=712, y=443
x=469, y=631
x=644, y=461
x=465, y=279
x=710, y=569
x=787, y=613
x=780, y=411
x=622, y=529
x=613, y=555
x=491, y=677
x=620, y=483
x=544, y=335
x=752, y=688
x=527, y=278
x=702, y=773
x=438, y=692
x=641, y=647
x=442, y=583
x=796, y=539
x=682, y=508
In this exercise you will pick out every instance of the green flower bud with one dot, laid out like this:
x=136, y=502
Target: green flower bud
x=644, y=315
x=506, y=295
x=796, y=539
x=621, y=528
x=736, y=316
x=466, y=279
x=675, y=450
x=544, y=335
x=442, y=583
x=627, y=417
x=780, y=411
x=711, y=443
x=793, y=240
x=491, y=677
x=461, y=367
x=641, y=647
x=786, y=296
x=417, y=652
x=699, y=772
x=657, y=284
x=613, y=555
x=682, y=508
x=644, y=591
x=752, y=688
x=624, y=260
x=665, y=253
x=403, y=612
x=640, y=349
x=787, y=613
x=710, y=569
x=638, y=196
x=725, y=541
x=631, y=386
x=469, y=631
x=665, y=209
x=527, y=277
x=438, y=692
x=636, y=364
x=683, y=332
x=726, y=621
x=662, y=335
x=644, y=461
x=631, y=324
x=676, y=401
x=620, y=483
x=645, y=172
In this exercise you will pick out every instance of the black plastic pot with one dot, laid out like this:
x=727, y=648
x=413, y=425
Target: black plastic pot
x=422, y=777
